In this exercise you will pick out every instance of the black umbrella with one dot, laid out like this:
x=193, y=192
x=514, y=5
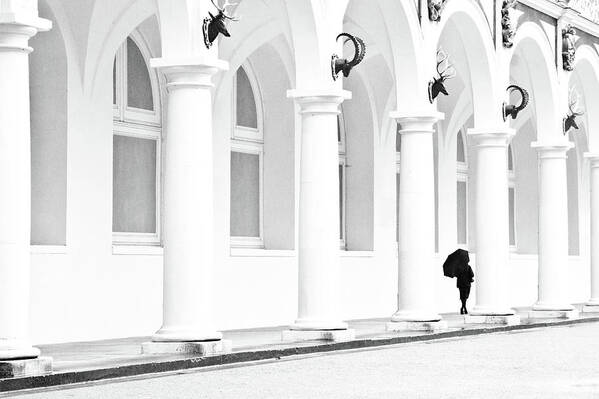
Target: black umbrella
x=456, y=263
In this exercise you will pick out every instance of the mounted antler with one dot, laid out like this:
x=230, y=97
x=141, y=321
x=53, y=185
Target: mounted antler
x=446, y=71
x=570, y=119
x=342, y=64
x=513, y=110
x=215, y=25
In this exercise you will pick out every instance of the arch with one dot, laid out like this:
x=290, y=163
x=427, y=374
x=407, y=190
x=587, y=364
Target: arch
x=467, y=19
x=111, y=23
x=398, y=39
x=532, y=52
x=586, y=69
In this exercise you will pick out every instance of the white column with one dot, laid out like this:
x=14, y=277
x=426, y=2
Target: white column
x=416, y=225
x=15, y=180
x=491, y=216
x=553, y=231
x=593, y=304
x=188, y=203
x=318, y=215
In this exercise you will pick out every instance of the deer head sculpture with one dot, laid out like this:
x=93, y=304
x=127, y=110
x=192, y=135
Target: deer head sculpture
x=215, y=24
x=514, y=110
x=343, y=65
x=446, y=71
x=575, y=111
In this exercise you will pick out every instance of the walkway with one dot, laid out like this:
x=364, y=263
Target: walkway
x=93, y=361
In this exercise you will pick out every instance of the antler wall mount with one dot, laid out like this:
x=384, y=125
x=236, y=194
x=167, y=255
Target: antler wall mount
x=446, y=71
x=339, y=65
x=575, y=111
x=215, y=24
x=514, y=110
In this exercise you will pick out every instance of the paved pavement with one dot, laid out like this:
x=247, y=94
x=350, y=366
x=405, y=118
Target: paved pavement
x=557, y=362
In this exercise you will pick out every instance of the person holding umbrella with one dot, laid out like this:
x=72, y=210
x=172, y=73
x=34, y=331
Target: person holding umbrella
x=456, y=265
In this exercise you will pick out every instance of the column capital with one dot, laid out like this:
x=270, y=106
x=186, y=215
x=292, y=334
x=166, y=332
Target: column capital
x=489, y=137
x=182, y=72
x=319, y=101
x=593, y=157
x=417, y=122
x=552, y=150
x=16, y=30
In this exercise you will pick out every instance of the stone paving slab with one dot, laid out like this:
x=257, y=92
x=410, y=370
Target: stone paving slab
x=118, y=358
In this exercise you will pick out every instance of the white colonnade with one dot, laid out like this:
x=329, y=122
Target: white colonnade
x=17, y=356
x=416, y=225
x=491, y=221
x=553, y=231
x=318, y=241
x=188, y=211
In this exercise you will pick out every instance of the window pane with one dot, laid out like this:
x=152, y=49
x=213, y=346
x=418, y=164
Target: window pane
x=246, y=104
x=461, y=212
x=510, y=159
x=512, y=224
x=460, y=156
x=139, y=86
x=245, y=195
x=397, y=140
x=134, y=185
x=341, y=202
x=338, y=128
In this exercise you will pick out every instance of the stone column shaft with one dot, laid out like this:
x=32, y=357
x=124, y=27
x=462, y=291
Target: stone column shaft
x=491, y=218
x=553, y=227
x=15, y=180
x=188, y=203
x=416, y=221
x=319, y=210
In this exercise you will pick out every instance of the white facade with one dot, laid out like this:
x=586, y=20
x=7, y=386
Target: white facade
x=113, y=237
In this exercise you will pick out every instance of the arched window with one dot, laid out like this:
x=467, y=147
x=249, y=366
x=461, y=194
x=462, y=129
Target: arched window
x=136, y=147
x=342, y=177
x=511, y=197
x=247, y=149
x=461, y=190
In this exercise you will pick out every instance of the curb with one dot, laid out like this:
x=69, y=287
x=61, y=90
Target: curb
x=77, y=377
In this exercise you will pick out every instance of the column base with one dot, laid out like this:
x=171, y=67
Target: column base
x=320, y=335
x=26, y=367
x=400, y=326
x=200, y=348
x=504, y=320
x=590, y=308
x=554, y=314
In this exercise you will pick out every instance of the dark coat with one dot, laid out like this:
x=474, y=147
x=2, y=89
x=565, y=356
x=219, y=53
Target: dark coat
x=466, y=278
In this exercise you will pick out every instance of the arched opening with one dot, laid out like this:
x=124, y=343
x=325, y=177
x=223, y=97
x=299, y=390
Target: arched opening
x=136, y=147
x=530, y=68
x=261, y=184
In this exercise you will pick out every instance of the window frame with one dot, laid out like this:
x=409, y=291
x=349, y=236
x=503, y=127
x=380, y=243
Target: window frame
x=462, y=177
x=249, y=140
x=511, y=179
x=121, y=110
x=341, y=141
x=142, y=124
